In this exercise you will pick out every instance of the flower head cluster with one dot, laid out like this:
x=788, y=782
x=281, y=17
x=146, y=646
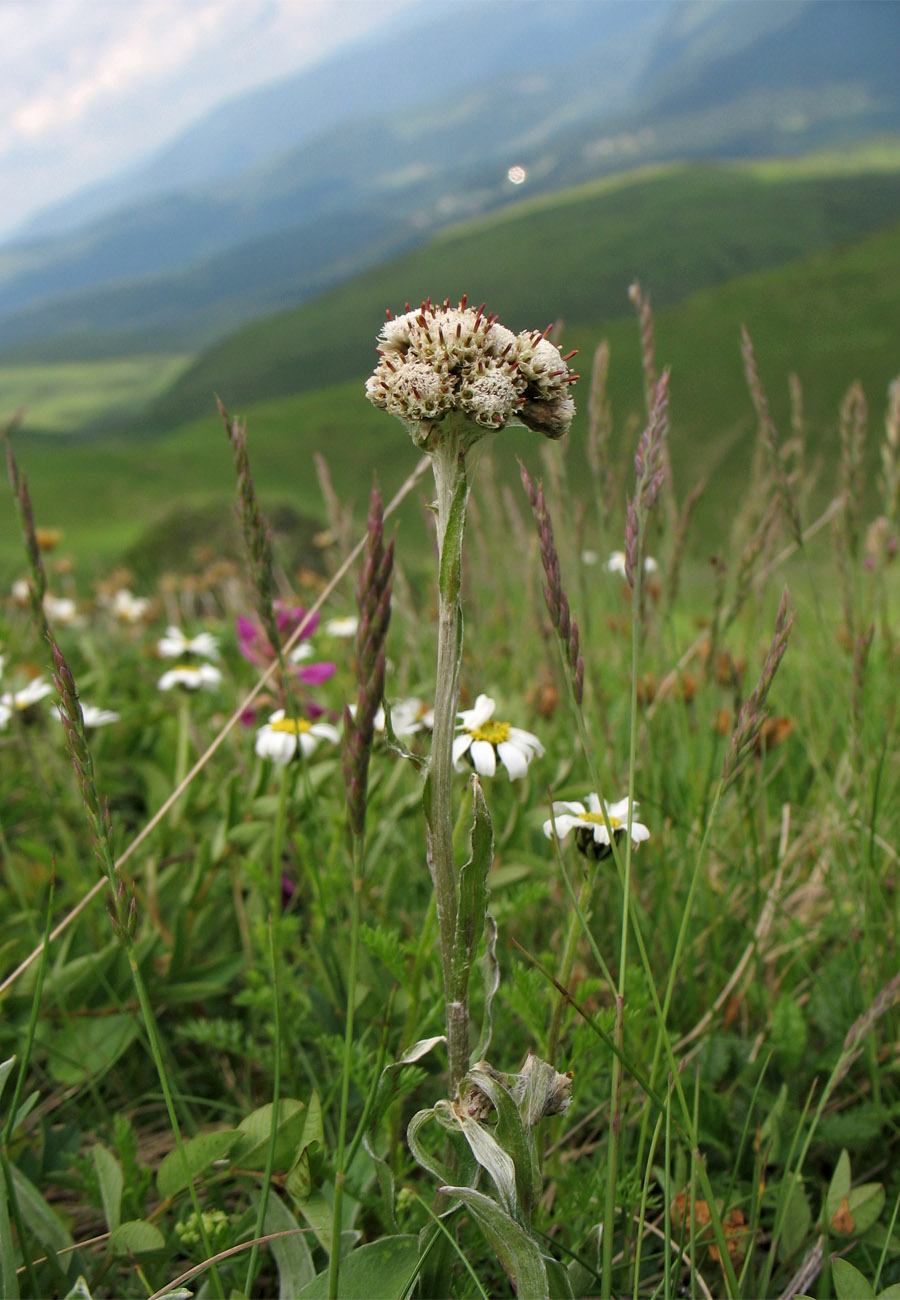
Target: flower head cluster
x=22, y=701
x=591, y=827
x=482, y=740
x=436, y=361
x=189, y=674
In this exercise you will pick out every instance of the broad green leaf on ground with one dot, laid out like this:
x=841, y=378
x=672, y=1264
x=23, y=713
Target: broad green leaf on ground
x=199, y=1153
x=382, y=1270
x=519, y=1253
x=109, y=1173
x=8, y=1277
x=136, y=1237
x=292, y=1255
x=796, y=1219
x=849, y=1283
x=39, y=1217
x=5, y=1068
x=252, y=1150
x=86, y=1048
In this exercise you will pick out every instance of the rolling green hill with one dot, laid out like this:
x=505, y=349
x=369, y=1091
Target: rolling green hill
x=573, y=257
x=831, y=318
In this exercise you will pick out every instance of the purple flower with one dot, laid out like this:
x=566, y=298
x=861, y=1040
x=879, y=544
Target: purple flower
x=254, y=645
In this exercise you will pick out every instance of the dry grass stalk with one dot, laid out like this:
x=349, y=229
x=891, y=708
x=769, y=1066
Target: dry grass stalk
x=769, y=438
x=554, y=592
x=599, y=431
x=752, y=714
x=890, y=454
x=373, y=598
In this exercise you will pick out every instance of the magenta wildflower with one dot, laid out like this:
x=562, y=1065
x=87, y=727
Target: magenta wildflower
x=255, y=646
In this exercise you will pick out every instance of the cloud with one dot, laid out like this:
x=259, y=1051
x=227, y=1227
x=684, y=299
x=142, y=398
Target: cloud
x=89, y=87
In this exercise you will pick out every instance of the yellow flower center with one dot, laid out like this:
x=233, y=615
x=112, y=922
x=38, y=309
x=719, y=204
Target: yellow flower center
x=614, y=822
x=292, y=726
x=495, y=733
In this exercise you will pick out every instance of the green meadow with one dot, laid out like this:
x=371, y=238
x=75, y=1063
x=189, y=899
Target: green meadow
x=301, y=1001
x=65, y=396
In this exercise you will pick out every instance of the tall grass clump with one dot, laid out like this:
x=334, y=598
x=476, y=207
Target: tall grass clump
x=558, y=958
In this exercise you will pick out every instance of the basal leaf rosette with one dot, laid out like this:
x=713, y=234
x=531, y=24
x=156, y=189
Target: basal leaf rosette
x=444, y=368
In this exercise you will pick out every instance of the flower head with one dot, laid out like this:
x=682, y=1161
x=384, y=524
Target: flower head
x=343, y=628
x=281, y=736
x=255, y=647
x=62, y=610
x=21, y=701
x=128, y=608
x=616, y=564
x=482, y=740
x=590, y=826
x=191, y=676
x=93, y=716
x=407, y=717
x=175, y=645
x=441, y=361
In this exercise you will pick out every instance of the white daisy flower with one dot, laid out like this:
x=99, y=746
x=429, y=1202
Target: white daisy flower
x=590, y=557
x=407, y=717
x=62, y=609
x=94, y=717
x=19, y=701
x=301, y=653
x=591, y=834
x=21, y=591
x=616, y=564
x=482, y=740
x=279, y=738
x=128, y=608
x=342, y=627
x=191, y=677
x=175, y=644
x=5, y=715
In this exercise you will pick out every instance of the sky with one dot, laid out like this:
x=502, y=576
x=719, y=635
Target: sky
x=87, y=86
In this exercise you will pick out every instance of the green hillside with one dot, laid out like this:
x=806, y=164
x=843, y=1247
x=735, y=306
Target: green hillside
x=677, y=229
x=830, y=317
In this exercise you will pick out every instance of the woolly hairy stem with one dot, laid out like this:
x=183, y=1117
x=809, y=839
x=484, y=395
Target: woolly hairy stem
x=450, y=478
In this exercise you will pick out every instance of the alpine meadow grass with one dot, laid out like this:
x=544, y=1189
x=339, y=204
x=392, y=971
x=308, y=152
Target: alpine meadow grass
x=366, y=956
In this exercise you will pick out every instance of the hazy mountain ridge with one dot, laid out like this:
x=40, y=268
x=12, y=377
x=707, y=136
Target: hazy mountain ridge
x=591, y=88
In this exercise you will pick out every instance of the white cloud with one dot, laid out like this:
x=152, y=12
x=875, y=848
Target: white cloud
x=88, y=85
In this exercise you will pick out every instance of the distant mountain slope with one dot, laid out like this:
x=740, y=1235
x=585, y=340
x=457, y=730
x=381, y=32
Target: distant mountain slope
x=418, y=132
x=677, y=230
x=830, y=317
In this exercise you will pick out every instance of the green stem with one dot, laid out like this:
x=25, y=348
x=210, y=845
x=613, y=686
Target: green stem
x=615, y=1118
x=334, y=1263
x=576, y=922
x=276, y=1104
x=156, y=1053
x=450, y=478
x=278, y=843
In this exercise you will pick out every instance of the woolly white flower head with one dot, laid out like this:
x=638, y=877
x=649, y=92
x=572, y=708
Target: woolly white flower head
x=442, y=360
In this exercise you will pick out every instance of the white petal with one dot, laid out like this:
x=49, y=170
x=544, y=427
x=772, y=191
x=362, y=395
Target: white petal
x=481, y=712
x=639, y=833
x=593, y=803
x=526, y=740
x=514, y=759
x=460, y=744
x=564, y=826
x=601, y=834
x=562, y=806
x=325, y=731
x=619, y=810
x=483, y=757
